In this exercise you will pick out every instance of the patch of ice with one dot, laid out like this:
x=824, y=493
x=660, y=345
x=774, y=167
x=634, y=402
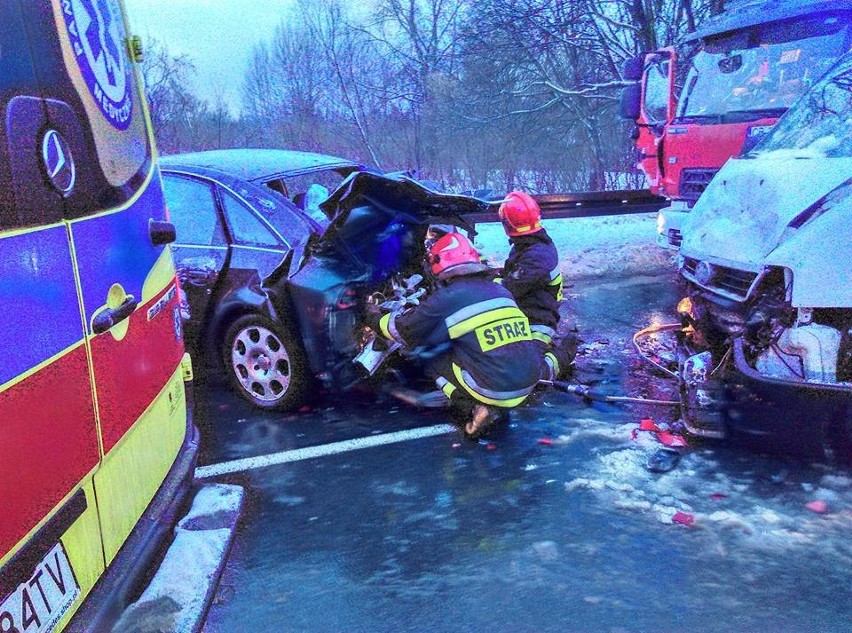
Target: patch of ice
x=178, y=594
x=837, y=482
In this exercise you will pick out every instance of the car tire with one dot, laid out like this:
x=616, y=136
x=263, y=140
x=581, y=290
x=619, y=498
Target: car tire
x=265, y=363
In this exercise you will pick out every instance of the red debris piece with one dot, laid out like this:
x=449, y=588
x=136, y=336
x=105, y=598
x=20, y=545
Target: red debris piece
x=683, y=518
x=490, y=446
x=819, y=506
x=647, y=424
x=668, y=438
x=456, y=445
x=222, y=407
x=305, y=409
x=545, y=441
x=718, y=496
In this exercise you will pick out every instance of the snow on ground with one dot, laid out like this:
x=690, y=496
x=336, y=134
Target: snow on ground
x=592, y=247
x=705, y=495
x=178, y=595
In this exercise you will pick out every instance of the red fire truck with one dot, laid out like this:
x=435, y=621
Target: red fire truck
x=736, y=76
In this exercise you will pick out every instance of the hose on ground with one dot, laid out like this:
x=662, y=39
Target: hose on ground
x=655, y=329
x=586, y=393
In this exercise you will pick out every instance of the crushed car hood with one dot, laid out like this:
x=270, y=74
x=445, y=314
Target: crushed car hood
x=403, y=197
x=743, y=214
x=374, y=218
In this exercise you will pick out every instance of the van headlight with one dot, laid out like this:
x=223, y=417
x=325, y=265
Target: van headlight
x=661, y=222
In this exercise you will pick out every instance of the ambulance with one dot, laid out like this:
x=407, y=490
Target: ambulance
x=97, y=446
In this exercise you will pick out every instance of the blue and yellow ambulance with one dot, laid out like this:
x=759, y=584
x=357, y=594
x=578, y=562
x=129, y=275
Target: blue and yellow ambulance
x=97, y=448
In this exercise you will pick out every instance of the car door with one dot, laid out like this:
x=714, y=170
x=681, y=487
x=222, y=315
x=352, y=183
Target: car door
x=50, y=541
x=201, y=246
x=115, y=215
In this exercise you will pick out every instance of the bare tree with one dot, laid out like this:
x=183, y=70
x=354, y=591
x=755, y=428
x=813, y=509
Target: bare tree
x=499, y=93
x=171, y=103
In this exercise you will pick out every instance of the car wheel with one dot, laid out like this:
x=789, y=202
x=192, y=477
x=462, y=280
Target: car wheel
x=265, y=363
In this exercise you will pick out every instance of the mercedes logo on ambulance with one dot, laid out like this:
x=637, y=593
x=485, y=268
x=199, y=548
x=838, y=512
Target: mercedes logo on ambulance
x=58, y=162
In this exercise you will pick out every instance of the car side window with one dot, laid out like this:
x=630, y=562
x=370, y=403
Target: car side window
x=246, y=227
x=192, y=209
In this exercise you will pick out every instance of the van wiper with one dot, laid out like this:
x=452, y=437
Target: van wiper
x=695, y=118
x=757, y=113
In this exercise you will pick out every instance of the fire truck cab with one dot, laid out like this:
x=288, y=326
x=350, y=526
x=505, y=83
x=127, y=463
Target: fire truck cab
x=741, y=70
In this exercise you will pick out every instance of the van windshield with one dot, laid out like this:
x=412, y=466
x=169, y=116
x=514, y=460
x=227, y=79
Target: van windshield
x=821, y=122
x=751, y=75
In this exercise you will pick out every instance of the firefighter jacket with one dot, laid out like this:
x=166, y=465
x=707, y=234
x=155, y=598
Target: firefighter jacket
x=531, y=273
x=486, y=336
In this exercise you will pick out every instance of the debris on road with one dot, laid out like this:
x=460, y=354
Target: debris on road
x=683, y=518
x=663, y=460
x=819, y=506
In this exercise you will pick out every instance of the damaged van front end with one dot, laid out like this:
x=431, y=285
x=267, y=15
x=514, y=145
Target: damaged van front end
x=766, y=351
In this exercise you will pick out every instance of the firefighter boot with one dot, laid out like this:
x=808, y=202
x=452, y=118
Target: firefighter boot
x=483, y=418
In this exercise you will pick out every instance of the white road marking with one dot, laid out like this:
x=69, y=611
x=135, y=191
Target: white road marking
x=323, y=450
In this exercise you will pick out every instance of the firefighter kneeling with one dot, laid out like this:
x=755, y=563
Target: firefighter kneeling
x=484, y=357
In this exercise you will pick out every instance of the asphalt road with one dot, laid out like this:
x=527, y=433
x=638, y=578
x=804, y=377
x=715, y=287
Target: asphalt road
x=554, y=524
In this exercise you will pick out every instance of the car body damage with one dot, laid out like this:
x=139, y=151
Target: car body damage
x=768, y=349
x=275, y=295
x=378, y=224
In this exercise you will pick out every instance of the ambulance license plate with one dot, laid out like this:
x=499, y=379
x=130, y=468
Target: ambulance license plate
x=38, y=604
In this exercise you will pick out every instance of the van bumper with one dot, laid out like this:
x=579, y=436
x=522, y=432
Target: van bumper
x=784, y=416
x=126, y=576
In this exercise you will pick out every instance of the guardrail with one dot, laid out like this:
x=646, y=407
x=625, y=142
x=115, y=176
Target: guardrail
x=588, y=204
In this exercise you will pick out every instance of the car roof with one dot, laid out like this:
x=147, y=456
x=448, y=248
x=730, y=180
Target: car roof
x=258, y=165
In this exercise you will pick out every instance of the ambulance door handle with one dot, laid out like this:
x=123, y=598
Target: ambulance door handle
x=111, y=316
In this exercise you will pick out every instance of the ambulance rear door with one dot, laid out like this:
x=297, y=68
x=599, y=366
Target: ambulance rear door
x=125, y=273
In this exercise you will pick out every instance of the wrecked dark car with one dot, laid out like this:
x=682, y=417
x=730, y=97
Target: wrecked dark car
x=276, y=299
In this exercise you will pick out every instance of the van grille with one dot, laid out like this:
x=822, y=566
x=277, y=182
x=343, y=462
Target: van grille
x=693, y=182
x=730, y=282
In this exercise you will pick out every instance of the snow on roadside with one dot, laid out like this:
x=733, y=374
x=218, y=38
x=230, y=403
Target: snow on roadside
x=592, y=247
x=178, y=595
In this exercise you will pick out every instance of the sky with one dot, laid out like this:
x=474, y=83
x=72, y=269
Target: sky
x=218, y=36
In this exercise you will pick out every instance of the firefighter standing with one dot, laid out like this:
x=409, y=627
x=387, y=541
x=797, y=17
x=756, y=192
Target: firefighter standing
x=485, y=360
x=531, y=273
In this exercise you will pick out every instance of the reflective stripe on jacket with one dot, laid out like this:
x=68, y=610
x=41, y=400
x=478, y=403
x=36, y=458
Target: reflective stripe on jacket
x=494, y=357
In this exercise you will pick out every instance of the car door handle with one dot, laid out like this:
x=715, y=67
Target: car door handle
x=109, y=317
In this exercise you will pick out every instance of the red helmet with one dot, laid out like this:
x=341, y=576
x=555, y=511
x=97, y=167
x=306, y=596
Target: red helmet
x=520, y=214
x=452, y=255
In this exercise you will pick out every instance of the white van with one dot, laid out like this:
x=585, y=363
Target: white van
x=767, y=256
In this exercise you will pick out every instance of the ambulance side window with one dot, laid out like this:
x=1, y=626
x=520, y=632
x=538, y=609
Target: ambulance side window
x=26, y=196
x=93, y=102
x=192, y=209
